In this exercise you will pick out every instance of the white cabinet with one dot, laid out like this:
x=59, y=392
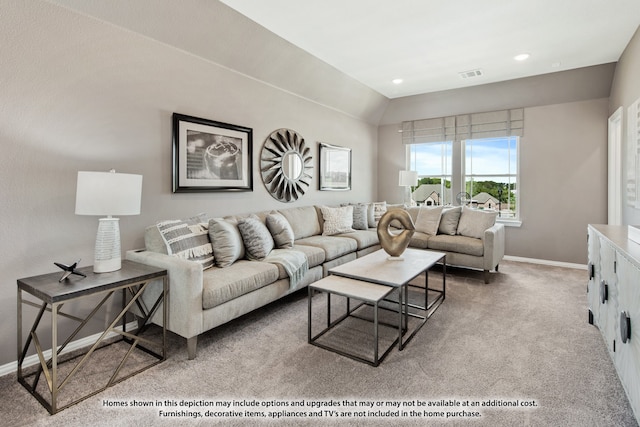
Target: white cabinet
x=614, y=301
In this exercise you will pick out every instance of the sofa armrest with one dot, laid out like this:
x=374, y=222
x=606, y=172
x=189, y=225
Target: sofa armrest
x=493, y=242
x=185, y=291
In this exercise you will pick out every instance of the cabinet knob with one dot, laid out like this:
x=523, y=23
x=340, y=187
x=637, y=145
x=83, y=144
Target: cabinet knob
x=604, y=291
x=625, y=327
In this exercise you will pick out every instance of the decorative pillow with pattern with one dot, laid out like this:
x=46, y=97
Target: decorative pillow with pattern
x=428, y=220
x=257, y=239
x=360, y=219
x=379, y=209
x=337, y=220
x=188, y=239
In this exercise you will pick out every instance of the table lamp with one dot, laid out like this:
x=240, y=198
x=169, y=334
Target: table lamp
x=108, y=193
x=408, y=179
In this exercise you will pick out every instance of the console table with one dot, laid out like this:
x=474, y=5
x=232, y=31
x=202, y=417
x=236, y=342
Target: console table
x=132, y=280
x=614, y=301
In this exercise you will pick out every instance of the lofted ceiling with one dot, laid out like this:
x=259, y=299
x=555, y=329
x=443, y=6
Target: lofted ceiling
x=429, y=43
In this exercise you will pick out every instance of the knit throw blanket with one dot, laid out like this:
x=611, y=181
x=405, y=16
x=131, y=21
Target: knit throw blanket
x=294, y=263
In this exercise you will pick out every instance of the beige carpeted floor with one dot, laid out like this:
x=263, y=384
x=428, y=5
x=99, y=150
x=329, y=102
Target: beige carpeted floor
x=521, y=340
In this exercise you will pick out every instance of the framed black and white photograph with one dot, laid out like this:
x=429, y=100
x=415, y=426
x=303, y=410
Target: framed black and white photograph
x=335, y=168
x=211, y=156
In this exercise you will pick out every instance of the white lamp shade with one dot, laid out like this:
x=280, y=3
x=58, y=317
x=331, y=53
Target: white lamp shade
x=108, y=193
x=408, y=178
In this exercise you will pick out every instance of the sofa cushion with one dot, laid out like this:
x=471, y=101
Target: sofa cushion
x=428, y=220
x=224, y=284
x=419, y=240
x=256, y=237
x=333, y=246
x=337, y=220
x=449, y=220
x=188, y=239
x=303, y=221
x=474, y=222
x=226, y=240
x=315, y=256
x=459, y=244
x=281, y=230
x=364, y=238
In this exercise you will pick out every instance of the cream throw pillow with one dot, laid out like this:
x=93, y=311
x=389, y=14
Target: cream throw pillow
x=429, y=220
x=337, y=220
x=280, y=230
x=474, y=222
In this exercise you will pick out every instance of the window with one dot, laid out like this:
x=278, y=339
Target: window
x=488, y=172
x=433, y=163
x=491, y=174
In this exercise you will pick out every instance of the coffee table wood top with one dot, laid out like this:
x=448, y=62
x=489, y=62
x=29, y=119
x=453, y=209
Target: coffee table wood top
x=378, y=268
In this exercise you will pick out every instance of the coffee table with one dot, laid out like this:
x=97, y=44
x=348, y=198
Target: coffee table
x=379, y=268
x=373, y=279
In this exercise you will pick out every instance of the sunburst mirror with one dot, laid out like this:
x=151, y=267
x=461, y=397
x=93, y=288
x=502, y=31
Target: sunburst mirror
x=285, y=165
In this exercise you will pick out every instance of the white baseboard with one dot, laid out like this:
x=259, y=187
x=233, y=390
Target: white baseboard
x=545, y=262
x=12, y=367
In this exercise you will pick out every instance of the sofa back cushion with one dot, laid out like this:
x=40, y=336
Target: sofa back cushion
x=449, y=220
x=474, y=222
x=303, y=221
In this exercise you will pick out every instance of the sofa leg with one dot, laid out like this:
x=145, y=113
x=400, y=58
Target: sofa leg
x=497, y=265
x=486, y=276
x=191, y=347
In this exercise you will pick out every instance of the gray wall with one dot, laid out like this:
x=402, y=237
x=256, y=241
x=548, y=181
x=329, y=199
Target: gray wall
x=79, y=93
x=624, y=91
x=563, y=154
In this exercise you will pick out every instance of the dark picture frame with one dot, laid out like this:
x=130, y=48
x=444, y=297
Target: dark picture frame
x=335, y=167
x=211, y=156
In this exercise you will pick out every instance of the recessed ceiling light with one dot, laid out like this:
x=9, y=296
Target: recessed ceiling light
x=522, y=57
x=396, y=81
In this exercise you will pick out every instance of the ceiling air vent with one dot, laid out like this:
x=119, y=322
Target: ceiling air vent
x=471, y=73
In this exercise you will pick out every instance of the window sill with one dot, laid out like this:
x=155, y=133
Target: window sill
x=509, y=222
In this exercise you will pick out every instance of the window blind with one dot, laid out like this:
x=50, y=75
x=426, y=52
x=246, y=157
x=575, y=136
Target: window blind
x=465, y=126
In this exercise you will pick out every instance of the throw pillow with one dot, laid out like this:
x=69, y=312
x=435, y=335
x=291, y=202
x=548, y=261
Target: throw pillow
x=227, y=242
x=337, y=220
x=257, y=240
x=370, y=216
x=449, y=220
x=281, y=230
x=474, y=222
x=379, y=209
x=429, y=220
x=360, y=219
x=188, y=239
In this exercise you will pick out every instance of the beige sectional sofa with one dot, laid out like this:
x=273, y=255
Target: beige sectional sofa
x=222, y=268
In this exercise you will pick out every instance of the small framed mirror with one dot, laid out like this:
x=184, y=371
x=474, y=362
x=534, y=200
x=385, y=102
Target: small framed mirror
x=286, y=165
x=335, y=168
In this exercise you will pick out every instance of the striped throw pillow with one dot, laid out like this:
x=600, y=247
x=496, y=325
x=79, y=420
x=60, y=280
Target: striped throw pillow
x=188, y=239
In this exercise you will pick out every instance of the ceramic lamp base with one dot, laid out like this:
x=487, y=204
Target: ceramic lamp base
x=107, y=256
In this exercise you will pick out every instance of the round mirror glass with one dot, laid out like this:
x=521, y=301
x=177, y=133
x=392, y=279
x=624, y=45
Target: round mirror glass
x=292, y=165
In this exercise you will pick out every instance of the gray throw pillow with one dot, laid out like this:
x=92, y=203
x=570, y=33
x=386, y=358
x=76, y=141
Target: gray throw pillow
x=257, y=240
x=281, y=230
x=360, y=218
x=227, y=242
x=449, y=220
x=474, y=222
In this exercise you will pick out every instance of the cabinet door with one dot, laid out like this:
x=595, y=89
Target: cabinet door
x=593, y=286
x=608, y=295
x=627, y=355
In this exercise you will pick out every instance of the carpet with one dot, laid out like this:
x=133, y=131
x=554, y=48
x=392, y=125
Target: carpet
x=516, y=351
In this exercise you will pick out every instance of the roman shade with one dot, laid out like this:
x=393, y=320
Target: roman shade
x=465, y=126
